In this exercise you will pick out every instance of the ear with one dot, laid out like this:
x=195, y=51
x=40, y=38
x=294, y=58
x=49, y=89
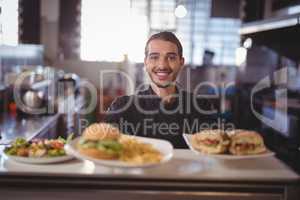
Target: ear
x=145, y=64
x=182, y=61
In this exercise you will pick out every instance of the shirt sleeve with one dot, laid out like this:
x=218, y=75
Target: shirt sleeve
x=204, y=115
x=117, y=110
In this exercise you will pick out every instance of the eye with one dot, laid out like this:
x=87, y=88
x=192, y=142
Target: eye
x=172, y=57
x=153, y=57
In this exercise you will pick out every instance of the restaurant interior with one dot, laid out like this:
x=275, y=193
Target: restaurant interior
x=69, y=59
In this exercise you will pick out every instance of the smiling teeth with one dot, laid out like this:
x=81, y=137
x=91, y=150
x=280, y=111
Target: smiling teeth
x=162, y=73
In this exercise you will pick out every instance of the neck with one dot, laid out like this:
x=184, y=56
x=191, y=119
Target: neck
x=164, y=93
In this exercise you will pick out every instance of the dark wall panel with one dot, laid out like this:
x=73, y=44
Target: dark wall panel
x=252, y=10
x=225, y=9
x=69, y=26
x=29, y=21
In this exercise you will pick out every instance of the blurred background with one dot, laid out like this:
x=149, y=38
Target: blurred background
x=233, y=44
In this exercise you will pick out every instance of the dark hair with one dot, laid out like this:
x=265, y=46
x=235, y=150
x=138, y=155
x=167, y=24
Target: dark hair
x=165, y=36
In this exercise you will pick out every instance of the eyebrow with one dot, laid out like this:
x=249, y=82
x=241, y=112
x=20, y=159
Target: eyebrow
x=153, y=54
x=172, y=54
x=168, y=54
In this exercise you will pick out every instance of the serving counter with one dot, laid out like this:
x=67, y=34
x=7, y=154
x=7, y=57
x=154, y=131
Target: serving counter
x=185, y=176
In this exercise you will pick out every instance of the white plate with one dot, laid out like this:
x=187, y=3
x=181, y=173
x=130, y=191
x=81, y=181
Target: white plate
x=42, y=160
x=187, y=138
x=163, y=146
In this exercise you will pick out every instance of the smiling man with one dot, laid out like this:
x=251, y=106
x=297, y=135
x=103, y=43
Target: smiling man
x=163, y=110
x=163, y=61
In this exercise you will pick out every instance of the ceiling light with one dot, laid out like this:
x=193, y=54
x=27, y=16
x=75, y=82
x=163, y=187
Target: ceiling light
x=180, y=11
x=247, y=43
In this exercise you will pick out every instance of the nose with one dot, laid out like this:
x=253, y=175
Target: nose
x=163, y=62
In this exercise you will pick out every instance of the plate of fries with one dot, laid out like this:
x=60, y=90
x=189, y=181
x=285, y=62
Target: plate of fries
x=136, y=152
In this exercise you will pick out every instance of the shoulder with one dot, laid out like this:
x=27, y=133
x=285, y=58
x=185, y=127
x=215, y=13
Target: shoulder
x=200, y=101
x=185, y=92
x=145, y=91
x=120, y=102
x=122, y=99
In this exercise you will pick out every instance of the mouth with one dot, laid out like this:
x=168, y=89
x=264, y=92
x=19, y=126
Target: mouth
x=163, y=75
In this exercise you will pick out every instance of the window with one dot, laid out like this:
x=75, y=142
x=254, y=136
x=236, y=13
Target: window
x=199, y=32
x=110, y=31
x=162, y=15
x=9, y=22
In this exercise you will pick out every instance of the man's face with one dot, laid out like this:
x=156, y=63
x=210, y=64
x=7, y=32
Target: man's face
x=163, y=62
